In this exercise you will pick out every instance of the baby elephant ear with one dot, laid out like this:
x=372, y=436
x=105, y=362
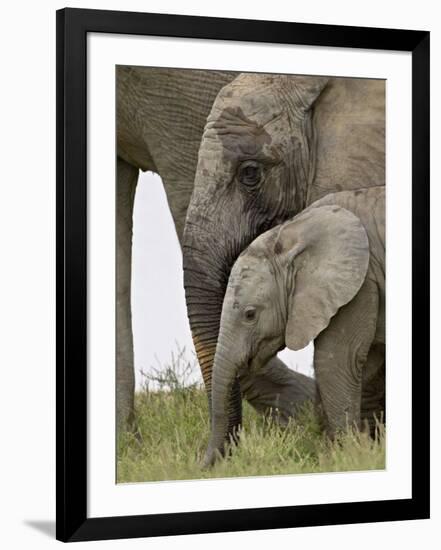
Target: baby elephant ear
x=328, y=250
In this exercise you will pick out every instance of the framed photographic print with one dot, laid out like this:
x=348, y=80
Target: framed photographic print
x=226, y=193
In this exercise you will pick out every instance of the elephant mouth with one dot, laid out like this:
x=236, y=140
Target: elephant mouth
x=256, y=362
x=251, y=365
x=244, y=369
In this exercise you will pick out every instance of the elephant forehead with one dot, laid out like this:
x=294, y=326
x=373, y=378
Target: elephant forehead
x=237, y=136
x=250, y=100
x=248, y=119
x=249, y=276
x=235, y=130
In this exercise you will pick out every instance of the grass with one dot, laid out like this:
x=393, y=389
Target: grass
x=172, y=431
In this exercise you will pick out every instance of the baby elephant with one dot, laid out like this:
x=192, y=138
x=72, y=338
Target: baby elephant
x=319, y=276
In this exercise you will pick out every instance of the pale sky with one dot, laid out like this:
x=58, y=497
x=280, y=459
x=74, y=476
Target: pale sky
x=159, y=313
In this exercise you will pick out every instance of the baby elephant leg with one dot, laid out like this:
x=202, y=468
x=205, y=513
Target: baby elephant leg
x=277, y=390
x=341, y=351
x=373, y=388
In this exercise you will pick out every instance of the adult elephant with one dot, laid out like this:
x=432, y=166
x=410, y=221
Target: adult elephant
x=272, y=145
x=160, y=118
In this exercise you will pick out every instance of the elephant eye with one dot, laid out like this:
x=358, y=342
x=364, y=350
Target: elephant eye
x=250, y=313
x=250, y=173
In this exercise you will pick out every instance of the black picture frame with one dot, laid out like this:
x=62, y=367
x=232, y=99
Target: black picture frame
x=71, y=428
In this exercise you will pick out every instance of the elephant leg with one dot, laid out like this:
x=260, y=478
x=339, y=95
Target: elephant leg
x=178, y=193
x=373, y=388
x=277, y=390
x=126, y=180
x=341, y=352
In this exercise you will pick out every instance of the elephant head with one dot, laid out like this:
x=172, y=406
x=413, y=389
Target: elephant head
x=256, y=162
x=283, y=290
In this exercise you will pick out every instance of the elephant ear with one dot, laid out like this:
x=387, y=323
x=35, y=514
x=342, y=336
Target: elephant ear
x=327, y=249
x=305, y=90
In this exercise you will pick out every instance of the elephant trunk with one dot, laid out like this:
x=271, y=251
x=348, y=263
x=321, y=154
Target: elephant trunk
x=224, y=378
x=205, y=280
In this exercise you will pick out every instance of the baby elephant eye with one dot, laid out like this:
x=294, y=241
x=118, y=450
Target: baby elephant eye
x=250, y=313
x=250, y=173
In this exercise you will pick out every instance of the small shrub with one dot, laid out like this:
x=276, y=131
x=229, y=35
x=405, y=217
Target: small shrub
x=180, y=374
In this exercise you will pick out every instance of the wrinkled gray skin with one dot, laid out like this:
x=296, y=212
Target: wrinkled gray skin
x=161, y=114
x=272, y=145
x=319, y=276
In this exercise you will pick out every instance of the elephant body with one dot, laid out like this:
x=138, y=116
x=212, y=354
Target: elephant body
x=160, y=118
x=321, y=277
x=161, y=115
x=349, y=121
x=272, y=145
x=343, y=337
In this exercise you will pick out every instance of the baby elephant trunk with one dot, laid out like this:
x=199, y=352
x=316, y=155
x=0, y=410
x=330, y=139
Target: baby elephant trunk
x=224, y=376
